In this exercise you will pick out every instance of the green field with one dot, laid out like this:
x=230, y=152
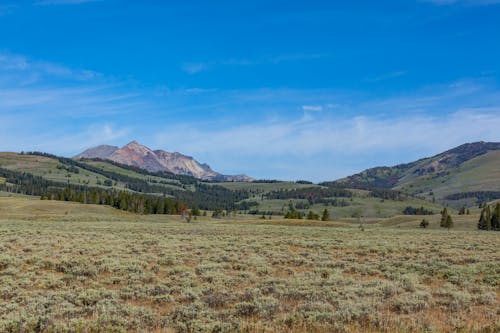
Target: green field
x=84, y=268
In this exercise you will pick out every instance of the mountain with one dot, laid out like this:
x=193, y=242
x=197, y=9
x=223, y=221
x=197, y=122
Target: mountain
x=462, y=175
x=135, y=154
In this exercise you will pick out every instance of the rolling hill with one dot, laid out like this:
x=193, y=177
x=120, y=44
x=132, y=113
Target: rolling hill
x=464, y=175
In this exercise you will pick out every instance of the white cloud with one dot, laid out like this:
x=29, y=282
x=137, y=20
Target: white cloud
x=196, y=67
x=312, y=107
x=193, y=68
x=386, y=76
x=14, y=63
x=353, y=135
x=58, y=139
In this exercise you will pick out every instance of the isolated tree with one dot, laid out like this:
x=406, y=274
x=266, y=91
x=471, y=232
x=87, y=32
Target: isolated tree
x=424, y=224
x=325, y=216
x=444, y=217
x=449, y=222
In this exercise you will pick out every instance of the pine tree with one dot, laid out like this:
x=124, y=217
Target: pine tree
x=444, y=217
x=495, y=219
x=325, y=216
x=488, y=218
x=449, y=222
x=481, y=225
x=312, y=216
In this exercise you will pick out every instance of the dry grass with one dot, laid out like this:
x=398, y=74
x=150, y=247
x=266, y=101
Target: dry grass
x=83, y=268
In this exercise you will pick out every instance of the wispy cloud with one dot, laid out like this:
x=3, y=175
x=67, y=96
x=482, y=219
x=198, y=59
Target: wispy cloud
x=14, y=63
x=40, y=101
x=196, y=67
x=386, y=76
x=267, y=133
x=337, y=139
x=312, y=107
x=193, y=68
x=58, y=139
x=355, y=135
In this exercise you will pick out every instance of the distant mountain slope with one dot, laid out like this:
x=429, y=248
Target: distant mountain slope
x=101, y=152
x=472, y=167
x=137, y=155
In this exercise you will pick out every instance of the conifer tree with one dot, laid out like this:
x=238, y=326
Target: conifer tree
x=325, y=216
x=495, y=220
x=449, y=222
x=312, y=216
x=481, y=225
x=488, y=218
x=444, y=217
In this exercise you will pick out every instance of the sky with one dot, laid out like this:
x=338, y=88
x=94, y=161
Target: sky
x=309, y=90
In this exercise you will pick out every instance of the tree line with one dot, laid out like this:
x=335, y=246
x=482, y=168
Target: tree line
x=480, y=196
x=312, y=194
x=417, y=211
x=25, y=183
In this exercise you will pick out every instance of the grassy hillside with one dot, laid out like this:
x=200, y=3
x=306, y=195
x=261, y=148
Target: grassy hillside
x=48, y=169
x=468, y=168
x=478, y=174
x=357, y=205
x=73, y=267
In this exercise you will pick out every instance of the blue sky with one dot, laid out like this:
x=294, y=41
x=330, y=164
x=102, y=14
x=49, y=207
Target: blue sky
x=311, y=90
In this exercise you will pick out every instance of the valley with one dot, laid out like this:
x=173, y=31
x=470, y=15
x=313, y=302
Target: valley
x=73, y=267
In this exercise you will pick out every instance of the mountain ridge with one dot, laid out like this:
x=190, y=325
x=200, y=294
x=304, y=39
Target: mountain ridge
x=135, y=154
x=470, y=167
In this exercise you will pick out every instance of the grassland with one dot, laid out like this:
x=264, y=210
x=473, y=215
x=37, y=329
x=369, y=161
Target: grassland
x=83, y=268
x=357, y=205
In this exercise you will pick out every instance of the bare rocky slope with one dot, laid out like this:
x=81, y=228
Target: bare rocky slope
x=138, y=155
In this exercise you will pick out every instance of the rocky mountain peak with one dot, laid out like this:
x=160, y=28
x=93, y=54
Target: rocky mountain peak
x=141, y=156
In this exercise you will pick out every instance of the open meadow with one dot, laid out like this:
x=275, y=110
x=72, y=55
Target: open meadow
x=67, y=267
